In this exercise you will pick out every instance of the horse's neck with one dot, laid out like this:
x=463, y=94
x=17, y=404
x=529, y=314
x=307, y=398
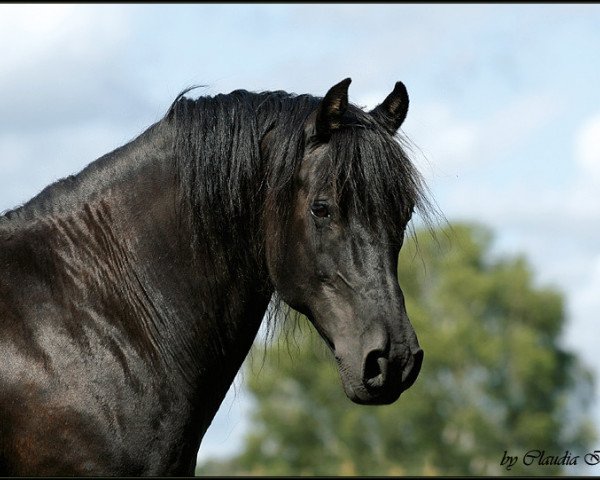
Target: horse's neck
x=131, y=232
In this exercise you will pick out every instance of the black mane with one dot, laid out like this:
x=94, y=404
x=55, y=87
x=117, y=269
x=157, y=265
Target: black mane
x=221, y=171
x=217, y=149
x=228, y=179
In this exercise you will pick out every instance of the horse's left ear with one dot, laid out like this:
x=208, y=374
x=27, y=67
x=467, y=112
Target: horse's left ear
x=331, y=109
x=392, y=111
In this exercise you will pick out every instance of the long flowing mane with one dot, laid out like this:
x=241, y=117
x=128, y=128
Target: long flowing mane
x=227, y=179
x=224, y=180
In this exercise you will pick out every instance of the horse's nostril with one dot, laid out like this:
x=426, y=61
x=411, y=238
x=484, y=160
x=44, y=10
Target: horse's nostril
x=411, y=371
x=375, y=370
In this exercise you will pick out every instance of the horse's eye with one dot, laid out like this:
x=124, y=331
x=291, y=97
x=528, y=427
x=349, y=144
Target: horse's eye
x=319, y=210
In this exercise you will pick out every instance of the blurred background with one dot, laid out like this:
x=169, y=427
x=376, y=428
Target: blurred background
x=504, y=124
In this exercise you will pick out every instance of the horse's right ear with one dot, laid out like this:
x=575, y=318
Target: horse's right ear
x=392, y=111
x=331, y=109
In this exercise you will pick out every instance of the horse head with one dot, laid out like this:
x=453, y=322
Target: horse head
x=354, y=191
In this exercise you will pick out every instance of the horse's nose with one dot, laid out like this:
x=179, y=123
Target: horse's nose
x=375, y=370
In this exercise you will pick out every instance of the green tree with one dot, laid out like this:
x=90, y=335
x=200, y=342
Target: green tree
x=495, y=378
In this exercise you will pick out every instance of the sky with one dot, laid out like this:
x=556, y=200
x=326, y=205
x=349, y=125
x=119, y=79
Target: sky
x=504, y=111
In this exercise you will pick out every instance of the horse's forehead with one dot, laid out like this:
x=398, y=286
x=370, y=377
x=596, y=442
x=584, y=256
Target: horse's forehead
x=311, y=163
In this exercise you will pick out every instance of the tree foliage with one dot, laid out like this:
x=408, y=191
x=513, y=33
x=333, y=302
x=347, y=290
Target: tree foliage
x=495, y=378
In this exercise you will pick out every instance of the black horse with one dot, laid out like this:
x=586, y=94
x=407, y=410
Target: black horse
x=131, y=293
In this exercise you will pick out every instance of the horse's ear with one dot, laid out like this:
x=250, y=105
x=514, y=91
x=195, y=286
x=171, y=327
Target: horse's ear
x=392, y=111
x=331, y=109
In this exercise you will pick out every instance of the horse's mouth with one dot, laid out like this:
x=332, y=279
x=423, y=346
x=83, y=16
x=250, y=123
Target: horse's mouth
x=365, y=396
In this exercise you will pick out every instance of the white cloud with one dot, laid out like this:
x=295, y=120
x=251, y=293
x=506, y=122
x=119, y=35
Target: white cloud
x=446, y=140
x=520, y=119
x=587, y=148
x=63, y=64
x=583, y=193
x=452, y=142
x=31, y=30
x=46, y=32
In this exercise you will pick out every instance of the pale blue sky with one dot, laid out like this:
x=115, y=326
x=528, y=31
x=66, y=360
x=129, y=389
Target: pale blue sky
x=505, y=109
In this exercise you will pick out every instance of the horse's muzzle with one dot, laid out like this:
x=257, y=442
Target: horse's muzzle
x=383, y=382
